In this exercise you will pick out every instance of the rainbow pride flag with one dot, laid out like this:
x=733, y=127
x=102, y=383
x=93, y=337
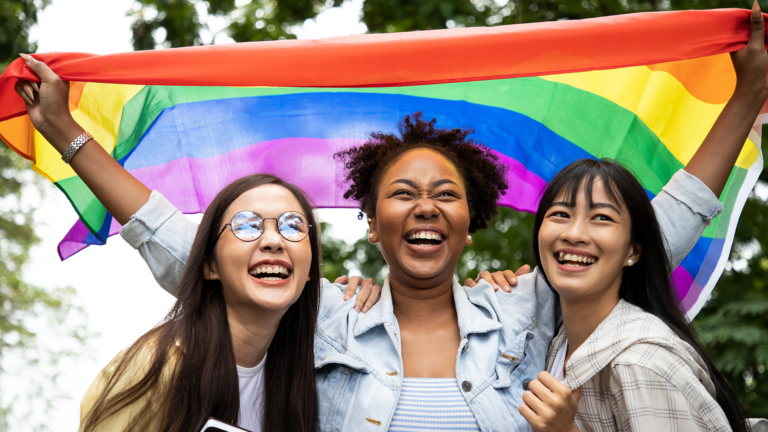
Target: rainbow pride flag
x=643, y=89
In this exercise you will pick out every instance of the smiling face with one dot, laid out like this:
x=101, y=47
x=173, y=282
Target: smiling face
x=269, y=273
x=422, y=218
x=584, y=247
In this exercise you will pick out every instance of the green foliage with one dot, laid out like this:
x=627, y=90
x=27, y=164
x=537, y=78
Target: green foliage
x=17, y=16
x=733, y=324
x=257, y=20
x=26, y=310
x=506, y=244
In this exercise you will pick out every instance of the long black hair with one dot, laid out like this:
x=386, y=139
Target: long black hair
x=186, y=365
x=648, y=283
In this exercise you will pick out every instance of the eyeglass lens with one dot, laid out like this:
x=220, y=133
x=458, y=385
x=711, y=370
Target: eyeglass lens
x=248, y=226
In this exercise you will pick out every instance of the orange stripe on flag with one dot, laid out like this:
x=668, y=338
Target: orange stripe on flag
x=697, y=76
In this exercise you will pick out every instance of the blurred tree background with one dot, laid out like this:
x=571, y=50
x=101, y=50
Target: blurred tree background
x=734, y=322
x=26, y=309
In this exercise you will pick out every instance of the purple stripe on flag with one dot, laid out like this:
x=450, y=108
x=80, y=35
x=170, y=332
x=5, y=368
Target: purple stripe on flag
x=192, y=183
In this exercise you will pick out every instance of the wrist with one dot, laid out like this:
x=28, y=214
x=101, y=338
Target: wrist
x=752, y=97
x=61, y=132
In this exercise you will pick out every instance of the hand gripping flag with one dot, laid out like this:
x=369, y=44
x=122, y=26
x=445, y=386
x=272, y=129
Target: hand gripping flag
x=644, y=89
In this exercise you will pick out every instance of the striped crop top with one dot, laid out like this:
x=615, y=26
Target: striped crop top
x=432, y=404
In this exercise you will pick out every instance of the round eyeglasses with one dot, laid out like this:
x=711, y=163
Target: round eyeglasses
x=249, y=226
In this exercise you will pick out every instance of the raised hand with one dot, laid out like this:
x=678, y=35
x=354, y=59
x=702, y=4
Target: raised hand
x=751, y=63
x=549, y=405
x=504, y=279
x=369, y=295
x=48, y=104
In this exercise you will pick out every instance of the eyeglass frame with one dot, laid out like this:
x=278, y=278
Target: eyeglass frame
x=263, y=219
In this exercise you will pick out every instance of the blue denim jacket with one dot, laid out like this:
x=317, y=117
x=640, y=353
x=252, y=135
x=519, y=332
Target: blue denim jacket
x=504, y=336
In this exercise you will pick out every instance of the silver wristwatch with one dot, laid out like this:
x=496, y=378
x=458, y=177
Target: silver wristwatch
x=75, y=146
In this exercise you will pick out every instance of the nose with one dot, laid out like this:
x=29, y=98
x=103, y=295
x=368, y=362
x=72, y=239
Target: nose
x=425, y=209
x=271, y=240
x=576, y=231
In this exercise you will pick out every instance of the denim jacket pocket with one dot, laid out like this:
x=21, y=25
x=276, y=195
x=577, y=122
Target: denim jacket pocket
x=512, y=366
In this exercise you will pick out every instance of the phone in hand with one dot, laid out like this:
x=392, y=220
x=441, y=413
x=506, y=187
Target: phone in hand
x=216, y=425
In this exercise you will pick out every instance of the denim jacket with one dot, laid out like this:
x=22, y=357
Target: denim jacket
x=504, y=336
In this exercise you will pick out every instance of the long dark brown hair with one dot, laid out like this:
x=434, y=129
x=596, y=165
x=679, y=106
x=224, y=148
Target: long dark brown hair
x=646, y=284
x=187, y=369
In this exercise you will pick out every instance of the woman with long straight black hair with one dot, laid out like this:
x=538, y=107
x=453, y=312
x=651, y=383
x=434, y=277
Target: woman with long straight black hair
x=238, y=343
x=626, y=358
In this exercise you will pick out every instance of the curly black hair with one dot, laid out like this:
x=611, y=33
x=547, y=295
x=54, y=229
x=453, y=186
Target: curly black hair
x=483, y=174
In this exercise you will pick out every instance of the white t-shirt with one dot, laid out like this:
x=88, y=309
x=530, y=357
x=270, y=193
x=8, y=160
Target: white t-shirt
x=251, y=396
x=558, y=367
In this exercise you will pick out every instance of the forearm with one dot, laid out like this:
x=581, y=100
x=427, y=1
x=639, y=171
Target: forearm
x=714, y=160
x=117, y=190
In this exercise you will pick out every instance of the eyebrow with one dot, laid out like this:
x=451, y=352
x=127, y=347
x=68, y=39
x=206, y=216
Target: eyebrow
x=413, y=184
x=592, y=207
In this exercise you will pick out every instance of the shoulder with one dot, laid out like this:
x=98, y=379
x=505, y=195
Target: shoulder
x=530, y=296
x=529, y=309
x=332, y=300
x=657, y=355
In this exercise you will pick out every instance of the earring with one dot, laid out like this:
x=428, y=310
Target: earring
x=630, y=262
x=369, y=220
x=370, y=236
x=469, y=237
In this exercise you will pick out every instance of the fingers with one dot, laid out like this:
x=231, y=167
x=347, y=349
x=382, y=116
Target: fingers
x=757, y=24
x=374, y=293
x=543, y=392
x=22, y=93
x=365, y=292
x=470, y=283
x=341, y=279
x=552, y=383
x=523, y=270
x=39, y=68
x=510, y=277
x=501, y=280
x=352, y=285
x=539, y=407
x=486, y=276
x=528, y=414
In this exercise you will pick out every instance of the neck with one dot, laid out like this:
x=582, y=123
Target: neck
x=252, y=332
x=582, y=316
x=415, y=305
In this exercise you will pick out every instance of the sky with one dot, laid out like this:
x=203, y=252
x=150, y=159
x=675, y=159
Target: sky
x=113, y=285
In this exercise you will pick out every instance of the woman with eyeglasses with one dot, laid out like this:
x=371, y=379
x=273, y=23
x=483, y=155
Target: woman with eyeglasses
x=430, y=345
x=238, y=343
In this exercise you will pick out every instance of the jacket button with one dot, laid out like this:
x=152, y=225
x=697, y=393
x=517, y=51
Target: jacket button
x=466, y=386
x=525, y=385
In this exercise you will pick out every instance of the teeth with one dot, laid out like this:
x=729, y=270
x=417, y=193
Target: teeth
x=575, y=258
x=426, y=235
x=269, y=269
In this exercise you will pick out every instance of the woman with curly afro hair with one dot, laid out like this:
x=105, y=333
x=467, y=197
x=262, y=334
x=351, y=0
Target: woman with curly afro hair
x=432, y=354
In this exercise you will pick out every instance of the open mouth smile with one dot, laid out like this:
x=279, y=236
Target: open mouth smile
x=424, y=239
x=575, y=260
x=270, y=272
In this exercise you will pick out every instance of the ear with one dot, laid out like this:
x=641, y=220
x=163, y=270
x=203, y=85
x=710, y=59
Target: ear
x=635, y=252
x=373, y=235
x=210, y=270
x=468, y=241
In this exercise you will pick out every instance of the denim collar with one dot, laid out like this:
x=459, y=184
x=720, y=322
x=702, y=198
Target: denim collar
x=471, y=318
